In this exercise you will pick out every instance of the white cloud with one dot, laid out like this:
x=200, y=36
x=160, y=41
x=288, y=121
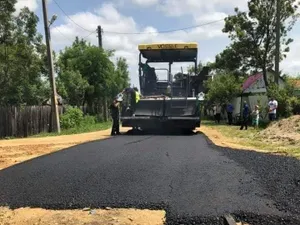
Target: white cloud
x=114, y=24
x=196, y=7
x=291, y=64
x=145, y=3
x=126, y=44
x=31, y=4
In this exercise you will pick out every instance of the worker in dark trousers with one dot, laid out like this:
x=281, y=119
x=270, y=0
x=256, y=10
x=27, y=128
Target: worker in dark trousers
x=245, y=116
x=114, y=112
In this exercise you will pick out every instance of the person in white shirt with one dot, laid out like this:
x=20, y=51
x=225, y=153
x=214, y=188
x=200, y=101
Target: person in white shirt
x=217, y=113
x=273, y=104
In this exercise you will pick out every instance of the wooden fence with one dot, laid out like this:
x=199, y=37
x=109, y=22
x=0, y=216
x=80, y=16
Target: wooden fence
x=27, y=120
x=24, y=121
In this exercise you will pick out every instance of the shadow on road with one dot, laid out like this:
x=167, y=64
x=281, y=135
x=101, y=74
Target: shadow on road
x=174, y=132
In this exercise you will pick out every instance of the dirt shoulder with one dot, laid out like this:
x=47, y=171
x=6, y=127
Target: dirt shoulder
x=270, y=140
x=28, y=216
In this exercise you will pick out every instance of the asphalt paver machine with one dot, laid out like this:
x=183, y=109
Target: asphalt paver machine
x=172, y=103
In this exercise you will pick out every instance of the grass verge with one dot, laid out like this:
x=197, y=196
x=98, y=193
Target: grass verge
x=231, y=136
x=78, y=130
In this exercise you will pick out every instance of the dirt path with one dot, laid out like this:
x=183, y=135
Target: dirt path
x=28, y=216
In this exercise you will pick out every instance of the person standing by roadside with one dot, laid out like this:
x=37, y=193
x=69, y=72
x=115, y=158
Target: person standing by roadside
x=229, y=110
x=273, y=104
x=218, y=113
x=255, y=114
x=245, y=116
x=114, y=112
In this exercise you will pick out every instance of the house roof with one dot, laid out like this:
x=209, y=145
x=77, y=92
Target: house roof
x=251, y=80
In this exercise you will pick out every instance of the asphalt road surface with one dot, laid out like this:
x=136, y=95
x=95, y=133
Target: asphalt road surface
x=185, y=175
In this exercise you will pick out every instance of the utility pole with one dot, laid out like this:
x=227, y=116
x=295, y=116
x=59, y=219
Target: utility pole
x=55, y=126
x=99, y=29
x=277, y=51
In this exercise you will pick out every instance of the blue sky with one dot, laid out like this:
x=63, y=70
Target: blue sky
x=147, y=16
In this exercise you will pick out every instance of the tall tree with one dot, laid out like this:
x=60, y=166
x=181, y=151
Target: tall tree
x=21, y=57
x=92, y=70
x=253, y=36
x=120, y=79
x=72, y=87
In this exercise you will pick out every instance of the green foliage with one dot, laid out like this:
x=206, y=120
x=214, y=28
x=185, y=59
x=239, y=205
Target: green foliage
x=92, y=72
x=22, y=54
x=191, y=69
x=72, y=87
x=253, y=36
x=283, y=97
x=73, y=117
x=88, y=120
x=223, y=88
x=120, y=77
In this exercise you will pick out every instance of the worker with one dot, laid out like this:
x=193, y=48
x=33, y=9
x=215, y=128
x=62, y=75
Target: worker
x=137, y=95
x=114, y=112
x=132, y=100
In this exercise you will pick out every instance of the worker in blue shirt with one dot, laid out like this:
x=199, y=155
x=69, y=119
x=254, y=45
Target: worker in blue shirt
x=245, y=116
x=229, y=110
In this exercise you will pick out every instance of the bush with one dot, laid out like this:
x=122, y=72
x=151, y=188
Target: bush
x=88, y=120
x=283, y=97
x=73, y=117
x=294, y=102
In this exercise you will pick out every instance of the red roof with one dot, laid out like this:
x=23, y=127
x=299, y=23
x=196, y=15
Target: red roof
x=251, y=80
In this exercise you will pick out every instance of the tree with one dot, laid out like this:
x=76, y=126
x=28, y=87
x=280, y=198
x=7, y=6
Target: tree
x=91, y=70
x=21, y=57
x=223, y=88
x=72, y=87
x=7, y=8
x=253, y=36
x=191, y=69
x=120, y=79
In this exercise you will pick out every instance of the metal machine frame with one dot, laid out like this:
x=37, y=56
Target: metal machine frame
x=161, y=54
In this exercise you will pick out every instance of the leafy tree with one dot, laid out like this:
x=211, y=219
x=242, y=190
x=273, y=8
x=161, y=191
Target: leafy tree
x=178, y=76
x=191, y=69
x=21, y=57
x=223, y=87
x=93, y=72
x=7, y=8
x=120, y=79
x=72, y=87
x=253, y=36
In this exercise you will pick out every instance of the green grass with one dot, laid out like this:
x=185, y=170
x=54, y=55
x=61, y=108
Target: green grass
x=252, y=138
x=79, y=130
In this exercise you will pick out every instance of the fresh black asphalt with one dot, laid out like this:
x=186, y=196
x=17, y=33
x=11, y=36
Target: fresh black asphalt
x=184, y=174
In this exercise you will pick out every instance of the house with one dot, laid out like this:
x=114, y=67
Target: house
x=255, y=93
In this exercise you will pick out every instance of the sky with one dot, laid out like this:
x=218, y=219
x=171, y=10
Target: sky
x=147, y=17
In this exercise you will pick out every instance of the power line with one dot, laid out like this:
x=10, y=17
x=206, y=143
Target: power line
x=93, y=32
x=70, y=17
x=63, y=34
x=166, y=31
x=134, y=33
